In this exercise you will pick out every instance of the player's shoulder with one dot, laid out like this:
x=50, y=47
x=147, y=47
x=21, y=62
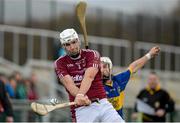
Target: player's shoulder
x=90, y=51
x=60, y=59
x=126, y=72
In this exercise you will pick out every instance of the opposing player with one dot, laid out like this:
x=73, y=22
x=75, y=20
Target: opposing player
x=79, y=71
x=115, y=84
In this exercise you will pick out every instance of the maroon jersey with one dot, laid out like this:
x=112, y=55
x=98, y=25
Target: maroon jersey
x=66, y=65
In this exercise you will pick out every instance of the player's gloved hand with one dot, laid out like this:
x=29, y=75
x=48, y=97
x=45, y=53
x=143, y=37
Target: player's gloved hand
x=81, y=100
x=154, y=51
x=54, y=101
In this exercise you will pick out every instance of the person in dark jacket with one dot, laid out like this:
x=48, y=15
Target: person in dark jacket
x=5, y=105
x=153, y=103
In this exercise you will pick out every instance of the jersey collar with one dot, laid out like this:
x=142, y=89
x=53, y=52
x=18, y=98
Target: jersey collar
x=76, y=57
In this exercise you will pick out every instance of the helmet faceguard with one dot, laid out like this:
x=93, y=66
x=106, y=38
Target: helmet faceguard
x=107, y=60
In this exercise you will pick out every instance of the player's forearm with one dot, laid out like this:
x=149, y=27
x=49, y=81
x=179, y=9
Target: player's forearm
x=85, y=85
x=138, y=64
x=70, y=86
x=87, y=81
x=73, y=90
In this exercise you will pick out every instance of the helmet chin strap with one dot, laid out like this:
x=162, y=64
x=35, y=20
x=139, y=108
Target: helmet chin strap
x=109, y=77
x=106, y=77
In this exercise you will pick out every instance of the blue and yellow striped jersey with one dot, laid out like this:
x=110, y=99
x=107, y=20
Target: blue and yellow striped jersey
x=115, y=89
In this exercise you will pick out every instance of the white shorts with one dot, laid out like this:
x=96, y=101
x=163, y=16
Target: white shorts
x=101, y=111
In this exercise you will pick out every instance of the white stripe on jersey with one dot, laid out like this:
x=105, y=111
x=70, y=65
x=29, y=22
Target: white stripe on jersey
x=96, y=54
x=95, y=65
x=61, y=75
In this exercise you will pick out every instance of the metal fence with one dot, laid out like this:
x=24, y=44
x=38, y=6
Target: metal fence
x=167, y=60
x=52, y=14
x=18, y=44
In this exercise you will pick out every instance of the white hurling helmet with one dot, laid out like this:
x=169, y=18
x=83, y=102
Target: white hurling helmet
x=67, y=35
x=106, y=60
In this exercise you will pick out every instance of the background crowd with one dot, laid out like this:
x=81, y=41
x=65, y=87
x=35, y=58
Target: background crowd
x=19, y=88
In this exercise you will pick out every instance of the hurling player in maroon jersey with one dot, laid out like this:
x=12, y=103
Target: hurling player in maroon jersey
x=79, y=71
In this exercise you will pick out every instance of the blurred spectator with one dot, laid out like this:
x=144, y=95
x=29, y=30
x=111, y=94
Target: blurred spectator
x=33, y=78
x=31, y=95
x=9, y=89
x=36, y=86
x=21, y=87
x=153, y=102
x=17, y=76
x=13, y=84
x=31, y=92
x=21, y=91
x=5, y=105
